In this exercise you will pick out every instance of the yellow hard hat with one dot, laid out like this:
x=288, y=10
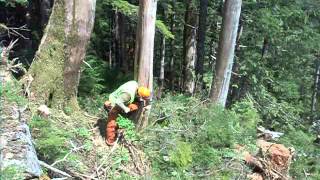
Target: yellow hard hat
x=144, y=92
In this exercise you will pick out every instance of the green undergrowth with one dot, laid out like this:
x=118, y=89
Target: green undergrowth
x=12, y=93
x=1, y=90
x=94, y=104
x=196, y=140
x=306, y=163
x=128, y=126
x=11, y=173
x=59, y=135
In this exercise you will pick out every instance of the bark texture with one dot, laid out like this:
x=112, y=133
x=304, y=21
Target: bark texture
x=78, y=27
x=189, y=52
x=16, y=149
x=315, y=89
x=144, y=52
x=162, y=67
x=228, y=35
x=201, y=40
x=45, y=11
x=172, y=43
x=120, y=42
x=56, y=66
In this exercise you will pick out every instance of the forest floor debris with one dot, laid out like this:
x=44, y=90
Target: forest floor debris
x=271, y=162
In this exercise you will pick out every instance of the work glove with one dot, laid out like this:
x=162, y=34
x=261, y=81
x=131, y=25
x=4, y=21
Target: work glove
x=133, y=107
x=126, y=110
x=107, y=105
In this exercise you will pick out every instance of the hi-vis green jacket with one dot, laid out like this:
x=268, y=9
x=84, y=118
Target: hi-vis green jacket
x=124, y=95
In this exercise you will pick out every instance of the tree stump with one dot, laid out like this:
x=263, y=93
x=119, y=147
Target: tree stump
x=271, y=162
x=276, y=159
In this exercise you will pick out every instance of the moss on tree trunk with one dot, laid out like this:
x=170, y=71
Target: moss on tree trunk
x=56, y=66
x=48, y=64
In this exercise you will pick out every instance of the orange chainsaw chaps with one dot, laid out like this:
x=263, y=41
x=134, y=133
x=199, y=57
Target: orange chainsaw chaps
x=111, y=128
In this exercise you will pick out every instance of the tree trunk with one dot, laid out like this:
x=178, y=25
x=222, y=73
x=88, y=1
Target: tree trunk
x=234, y=92
x=201, y=41
x=189, y=39
x=120, y=30
x=162, y=63
x=171, y=64
x=45, y=11
x=315, y=90
x=56, y=67
x=265, y=47
x=144, y=52
x=228, y=35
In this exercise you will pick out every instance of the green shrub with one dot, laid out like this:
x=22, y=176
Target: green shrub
x=92, y=79
x=247, y=121
x=50, y=140
x=128, y=126
x=83, y=132
x=277, y=114
x=307, y=154
x=14, y=3
x=206, y=156
x=11, y=173
x=12, y=92
x=197, y=137
x=216, y=126
x=93, y=104
x=181, y=155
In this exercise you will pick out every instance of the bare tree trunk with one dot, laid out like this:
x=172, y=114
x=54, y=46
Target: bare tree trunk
x=144, y=52
x=123, y=50
x=234, y=92
x=56, y=67
x=118, y=55
x=265, y=47
x=220, y=86
x=315, y=90
x=110, y=56
x=172, y=75
x=201, y=42
x=120, y=37
x=162, y=63
x=45, y=11
x=190, y=31
x=79, y=23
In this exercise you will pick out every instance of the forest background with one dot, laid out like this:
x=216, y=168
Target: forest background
x=274, y=83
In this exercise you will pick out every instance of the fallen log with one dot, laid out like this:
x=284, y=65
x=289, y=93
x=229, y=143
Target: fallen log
x=267, y=135
x=16, y=148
